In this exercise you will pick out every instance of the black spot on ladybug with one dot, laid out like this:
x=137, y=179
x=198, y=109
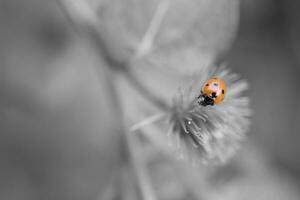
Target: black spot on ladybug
x=223, y=92
x=207, y=84
x=213, y=95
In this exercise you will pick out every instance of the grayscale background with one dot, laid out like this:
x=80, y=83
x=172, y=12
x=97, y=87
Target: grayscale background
x=61, y=129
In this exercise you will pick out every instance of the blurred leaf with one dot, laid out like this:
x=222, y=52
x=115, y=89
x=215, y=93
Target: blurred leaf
x=203, y=28
x=60, y=131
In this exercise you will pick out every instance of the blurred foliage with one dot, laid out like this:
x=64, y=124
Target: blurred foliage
x=58, y=136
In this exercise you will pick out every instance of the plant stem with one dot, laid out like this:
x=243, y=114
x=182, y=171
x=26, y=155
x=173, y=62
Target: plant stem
x=140, y=167
x=87, y=21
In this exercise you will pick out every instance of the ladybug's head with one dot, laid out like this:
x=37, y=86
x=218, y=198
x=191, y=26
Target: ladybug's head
x=205, y=100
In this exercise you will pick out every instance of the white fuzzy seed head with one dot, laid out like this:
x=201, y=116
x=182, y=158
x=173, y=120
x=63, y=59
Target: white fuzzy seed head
x=212, y=133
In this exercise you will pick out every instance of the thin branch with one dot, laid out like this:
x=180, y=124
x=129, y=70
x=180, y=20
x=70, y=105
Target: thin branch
x=148, y=39
x=147, y=121
x=79, y=11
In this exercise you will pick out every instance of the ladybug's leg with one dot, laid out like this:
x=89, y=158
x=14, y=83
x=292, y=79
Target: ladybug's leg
x=201, y=100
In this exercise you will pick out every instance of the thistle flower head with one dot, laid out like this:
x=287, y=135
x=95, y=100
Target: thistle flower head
x=211, y=133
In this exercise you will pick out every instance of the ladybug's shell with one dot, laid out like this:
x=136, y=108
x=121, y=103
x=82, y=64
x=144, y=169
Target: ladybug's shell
x=217, y=86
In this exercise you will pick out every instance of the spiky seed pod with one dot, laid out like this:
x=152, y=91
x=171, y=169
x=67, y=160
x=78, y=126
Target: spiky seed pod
x=211, y=133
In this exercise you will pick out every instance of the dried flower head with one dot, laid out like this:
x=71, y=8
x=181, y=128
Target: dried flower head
x=211, y=133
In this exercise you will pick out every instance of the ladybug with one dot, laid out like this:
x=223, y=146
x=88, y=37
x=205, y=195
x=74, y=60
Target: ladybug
x=213, y=92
